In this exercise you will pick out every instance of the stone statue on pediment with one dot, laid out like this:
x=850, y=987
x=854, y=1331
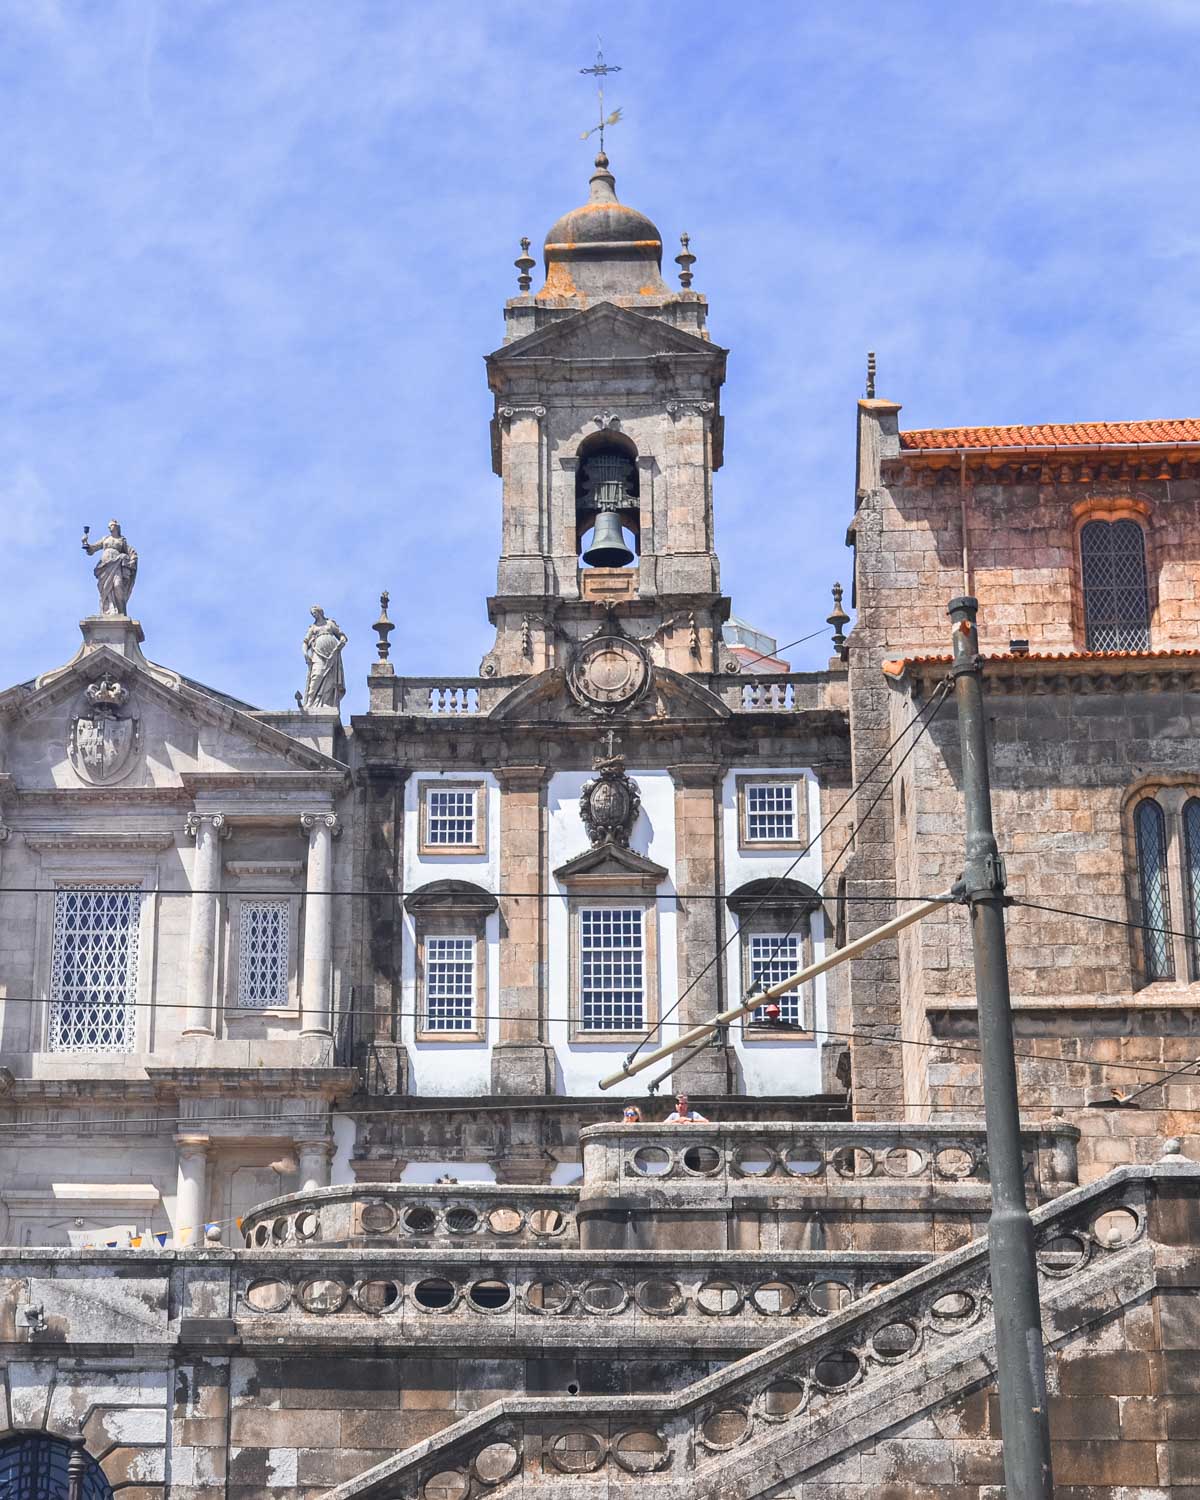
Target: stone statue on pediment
x=116, y=570
x=325, y=685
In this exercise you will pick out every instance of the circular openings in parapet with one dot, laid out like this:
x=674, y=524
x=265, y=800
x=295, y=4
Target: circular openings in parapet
x=377, y=1218
x=450, y=1484
x=573, y=1388
x=262, y=1233
x=461, y=1220
x=725, y=1428
x=804, y=1159
x=435, y=1294
x=308, y=1225
x=419, y=1219
x=828, y=1297
x=719, y=1298
x=377, y=1296
x=279, y=1230
x=754, y=1160
x=496, y=1463
x=267, y=1296
x=1115, y=1228
x=547, y=1221
x=576, y=1452
x=604, y=1296
x=703, y=1161
x=952, y=1311
x=782, y=1399
x=954, y=1163
x=836, y=1370
x=659, y=1297
x=652, y=1161
x=853, y=1161
x=903, y=1161
x=775, y=1297
x=505, y=1220
x=322, y=1295
x=893, y=1342
x=490, y=1295
x=640, y=1452
x=550, y=1297
x=1060, y=1254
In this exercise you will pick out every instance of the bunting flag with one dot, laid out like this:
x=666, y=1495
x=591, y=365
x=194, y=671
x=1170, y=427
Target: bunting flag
x=136, y=1242
x=162, y=1238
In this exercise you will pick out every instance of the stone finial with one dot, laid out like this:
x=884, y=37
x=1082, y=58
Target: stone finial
x=685, y=261
x=870, y=374
x=839, y=619
x=383, y=627
x=524, y=264
x=1172, y=1150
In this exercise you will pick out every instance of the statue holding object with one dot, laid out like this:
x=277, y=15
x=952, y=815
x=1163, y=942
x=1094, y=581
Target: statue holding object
x=116, y=570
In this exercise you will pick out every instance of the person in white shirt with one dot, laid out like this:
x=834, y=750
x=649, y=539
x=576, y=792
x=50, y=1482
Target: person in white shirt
x=684, y=1115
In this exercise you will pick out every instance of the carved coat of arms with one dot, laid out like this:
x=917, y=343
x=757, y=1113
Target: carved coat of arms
x=610, y=803
x=102, y=739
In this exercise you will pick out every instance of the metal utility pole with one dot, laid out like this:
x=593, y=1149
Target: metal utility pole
x=1021, y=1364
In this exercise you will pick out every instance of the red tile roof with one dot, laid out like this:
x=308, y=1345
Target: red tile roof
x=898, y=666
x=1056, y=435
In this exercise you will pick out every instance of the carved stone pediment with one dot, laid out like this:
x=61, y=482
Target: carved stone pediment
x=608, y=331
x=610, y=867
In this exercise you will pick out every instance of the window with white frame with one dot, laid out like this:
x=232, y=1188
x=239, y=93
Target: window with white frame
x=264, y=930
x=93, y=976
x=771, y=811
x=612, y=961
x=772, y=958
x=452, y=819
x=449, y=983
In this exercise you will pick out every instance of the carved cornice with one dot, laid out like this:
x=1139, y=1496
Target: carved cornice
x=152, y=841
x=521, y=778
x=705, y=774
x=265, y=781
x=80, y=798
x=241, y=869
x=944, y=467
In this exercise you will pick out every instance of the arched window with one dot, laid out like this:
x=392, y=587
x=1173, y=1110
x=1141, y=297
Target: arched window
x=1191, y=863
x=1151, y=835
x=607, y=500
x=33, y=1466
x=1116, y=600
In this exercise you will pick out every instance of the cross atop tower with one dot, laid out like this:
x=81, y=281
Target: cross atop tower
x=600, y=71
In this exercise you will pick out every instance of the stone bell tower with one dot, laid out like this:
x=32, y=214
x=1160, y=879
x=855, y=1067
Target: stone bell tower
x=606, y=434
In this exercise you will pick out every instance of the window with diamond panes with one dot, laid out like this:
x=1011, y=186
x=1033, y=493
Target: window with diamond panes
x=1191, y=855
x=449, y=984
x=1116, y=600
x=33, y=1466
x=265, y=928
x=775, y=957
x=450, y=816
x=770, y=812
x=1151, y=834
x=93, y=978
x=612, y=968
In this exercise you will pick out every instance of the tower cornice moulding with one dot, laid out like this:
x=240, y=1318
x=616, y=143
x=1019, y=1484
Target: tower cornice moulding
x=151, y=841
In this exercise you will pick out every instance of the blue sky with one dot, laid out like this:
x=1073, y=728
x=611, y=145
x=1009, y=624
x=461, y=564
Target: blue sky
x=255, y=249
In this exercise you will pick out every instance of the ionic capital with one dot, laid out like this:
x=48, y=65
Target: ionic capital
x=312, y=822
x=194, y=821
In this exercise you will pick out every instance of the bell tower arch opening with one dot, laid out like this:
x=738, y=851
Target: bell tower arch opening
x=607, y=500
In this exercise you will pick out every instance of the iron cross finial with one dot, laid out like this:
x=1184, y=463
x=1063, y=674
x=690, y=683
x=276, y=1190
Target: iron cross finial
x=600, y=70
x=612, y=742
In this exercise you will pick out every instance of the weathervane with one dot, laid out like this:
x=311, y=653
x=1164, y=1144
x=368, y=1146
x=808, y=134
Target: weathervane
x=600, y=70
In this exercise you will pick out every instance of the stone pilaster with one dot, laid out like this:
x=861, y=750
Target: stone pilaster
x=701, y=924
x=207, y=829
x=522, y=1062
x=378, y=937
x=316, y=1013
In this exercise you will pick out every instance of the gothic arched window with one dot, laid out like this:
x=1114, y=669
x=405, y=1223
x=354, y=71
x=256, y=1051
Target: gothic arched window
x=1116, y=599
x=33, y=1466
x=1151, y=835
x=1191, y=861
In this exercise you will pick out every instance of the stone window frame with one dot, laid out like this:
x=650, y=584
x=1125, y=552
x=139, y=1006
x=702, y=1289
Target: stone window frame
x=799, y=783
x=1108, y=508
x=759, y=913
x=1172, y=794
x=265, y=880
x=479, y=845
x=578, y=901
x=451, y=908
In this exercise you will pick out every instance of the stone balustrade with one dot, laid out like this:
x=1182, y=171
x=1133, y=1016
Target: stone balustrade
x=371, y=1215
x=789, y=1407
x=768, y=692
x=447, y=697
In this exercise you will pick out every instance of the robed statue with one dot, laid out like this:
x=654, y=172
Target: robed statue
x=325, y=686
x=115, y=571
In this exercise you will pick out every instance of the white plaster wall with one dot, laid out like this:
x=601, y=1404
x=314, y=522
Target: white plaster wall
x=430, y=1171
x=580, y=1065
x=450, y=1068
x=785, y=1066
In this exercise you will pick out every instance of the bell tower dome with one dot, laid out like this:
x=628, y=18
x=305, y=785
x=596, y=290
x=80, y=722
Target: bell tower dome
x=606, y=434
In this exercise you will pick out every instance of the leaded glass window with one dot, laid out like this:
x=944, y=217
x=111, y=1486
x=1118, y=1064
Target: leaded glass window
x=1116, y=600
x=770, y=812
x=450, y=983
x=775, y=957
x=33, y=1466
x=93, y=977
x=450, y=816
x=1151, y=834
x=612, y=968
x=1191, y=854
x=264, y=930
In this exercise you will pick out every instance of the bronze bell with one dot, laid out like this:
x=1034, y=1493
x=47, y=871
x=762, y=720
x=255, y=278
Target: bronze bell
x=608, y=549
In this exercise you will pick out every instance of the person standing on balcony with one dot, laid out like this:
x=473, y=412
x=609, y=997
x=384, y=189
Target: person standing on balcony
x=684, y=1114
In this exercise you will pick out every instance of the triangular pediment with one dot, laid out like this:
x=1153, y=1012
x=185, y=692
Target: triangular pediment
x=606, y=862
x=545, y=698
x=606, y=331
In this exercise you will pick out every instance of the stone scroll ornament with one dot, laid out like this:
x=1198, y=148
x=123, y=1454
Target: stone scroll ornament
x=609, y=804
x=103, y=739
x=325, y=684
x=116, y=570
